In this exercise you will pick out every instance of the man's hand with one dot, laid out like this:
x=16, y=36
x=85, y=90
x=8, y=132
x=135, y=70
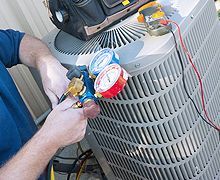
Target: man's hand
x=54, y=78
x=65, y=125
x=34, y=53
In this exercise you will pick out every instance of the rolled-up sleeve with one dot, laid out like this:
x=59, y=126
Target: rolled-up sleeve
x=9, y=47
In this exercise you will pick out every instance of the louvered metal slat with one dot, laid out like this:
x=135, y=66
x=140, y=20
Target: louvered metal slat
x=151, y=130
x=158, y=148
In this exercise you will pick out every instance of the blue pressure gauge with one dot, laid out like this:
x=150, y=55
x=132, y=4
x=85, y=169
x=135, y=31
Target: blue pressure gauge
x=102, y=59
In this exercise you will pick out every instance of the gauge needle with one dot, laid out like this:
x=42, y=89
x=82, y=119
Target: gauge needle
x=108, y=78
x=99, y=63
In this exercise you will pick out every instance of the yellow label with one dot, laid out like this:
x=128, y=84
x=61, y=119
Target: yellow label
x=158, y=14
x=125, y=2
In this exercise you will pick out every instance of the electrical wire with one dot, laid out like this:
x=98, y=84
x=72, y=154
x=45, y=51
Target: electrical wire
x=63, y=97
x=69, y=158
x=75, y=162
x=184, y=82
x=80, y=170
x=49, y=168
x=82, y=165
x=197, y=73
x=165, y=22
x=61, y=173
x=65, y=158
x=80, y=147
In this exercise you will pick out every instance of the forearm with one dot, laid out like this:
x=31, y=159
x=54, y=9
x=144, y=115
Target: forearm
x=31, y=160
x=33, y=52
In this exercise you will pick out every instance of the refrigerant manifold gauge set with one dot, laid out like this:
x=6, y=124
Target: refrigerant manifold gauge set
x=110, y=77
x=103, y=78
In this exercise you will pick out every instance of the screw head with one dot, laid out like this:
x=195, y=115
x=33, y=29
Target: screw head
x=137, y=65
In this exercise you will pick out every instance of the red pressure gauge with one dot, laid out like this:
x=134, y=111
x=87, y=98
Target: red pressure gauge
x=111, y=81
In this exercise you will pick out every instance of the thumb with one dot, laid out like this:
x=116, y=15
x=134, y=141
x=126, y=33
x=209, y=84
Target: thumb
x=91, y=109
x=66, y=104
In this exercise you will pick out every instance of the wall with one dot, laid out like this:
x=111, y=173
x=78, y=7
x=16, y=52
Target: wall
x=30, y=16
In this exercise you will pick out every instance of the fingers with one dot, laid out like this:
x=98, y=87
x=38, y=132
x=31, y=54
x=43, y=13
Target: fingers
x=73, y=97
x=79, y=112
x=83, y=131
x=66, y=104
x=85, y=124
x=91, y=109
x=54, y=95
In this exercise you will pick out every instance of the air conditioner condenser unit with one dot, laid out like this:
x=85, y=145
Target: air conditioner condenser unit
x=151, y=130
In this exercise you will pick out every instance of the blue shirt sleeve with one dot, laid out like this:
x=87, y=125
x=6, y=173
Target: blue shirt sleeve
x=9, y=47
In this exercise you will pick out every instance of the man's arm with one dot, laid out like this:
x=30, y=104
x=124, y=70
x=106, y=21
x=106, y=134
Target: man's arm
x=34, y=53
x=63, y=126
x=30, y=161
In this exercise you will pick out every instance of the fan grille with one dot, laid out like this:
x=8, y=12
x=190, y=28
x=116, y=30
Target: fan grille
x=119, y=35
x=151, y=130
x=113, y=38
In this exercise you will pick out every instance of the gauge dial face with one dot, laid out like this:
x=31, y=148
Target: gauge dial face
x=107, y=78
x=100, y=61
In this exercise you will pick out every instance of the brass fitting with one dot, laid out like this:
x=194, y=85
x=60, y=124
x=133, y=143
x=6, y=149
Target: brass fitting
x=75, y=86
